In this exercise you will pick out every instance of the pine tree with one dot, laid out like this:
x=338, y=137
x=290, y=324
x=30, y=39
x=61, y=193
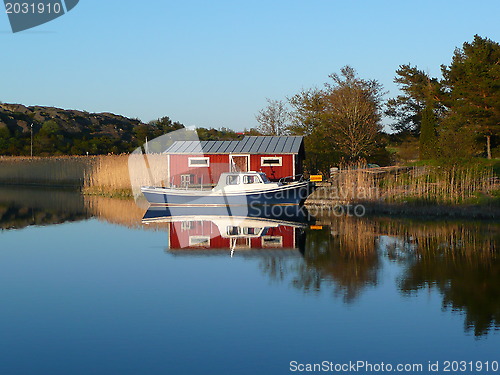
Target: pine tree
x=428, y=141
x=473, y=83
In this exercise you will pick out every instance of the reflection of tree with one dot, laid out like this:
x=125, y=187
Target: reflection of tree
x=22, y=207
x=343, y=256
x=463, y=263
x=18, y=217
x=461, y=260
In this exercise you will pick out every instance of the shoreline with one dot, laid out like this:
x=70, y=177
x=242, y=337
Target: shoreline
x=400, y=210
x=323, y=206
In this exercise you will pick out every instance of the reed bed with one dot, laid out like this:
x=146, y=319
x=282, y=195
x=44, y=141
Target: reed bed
x=452, y=185
x=123, y=175
x=69, y=171
x=109, y=175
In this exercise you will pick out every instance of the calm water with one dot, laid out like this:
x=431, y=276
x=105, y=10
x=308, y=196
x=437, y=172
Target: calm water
x=88, y=287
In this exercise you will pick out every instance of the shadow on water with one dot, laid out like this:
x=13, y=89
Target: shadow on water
x=345, y=257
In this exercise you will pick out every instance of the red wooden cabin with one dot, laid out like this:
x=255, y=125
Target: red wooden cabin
x=202, y=163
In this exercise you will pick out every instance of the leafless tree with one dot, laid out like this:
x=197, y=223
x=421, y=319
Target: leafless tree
x=274, y=118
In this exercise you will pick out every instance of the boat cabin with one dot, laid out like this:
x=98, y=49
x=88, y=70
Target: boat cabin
x=246, y=180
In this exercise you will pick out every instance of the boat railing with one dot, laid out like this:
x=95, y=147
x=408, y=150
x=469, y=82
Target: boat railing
x=294, y=178
x=205, y=187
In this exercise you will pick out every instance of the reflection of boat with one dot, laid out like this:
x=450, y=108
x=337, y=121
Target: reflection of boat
x=289, y=215
x=244, y=188
x=211, y=229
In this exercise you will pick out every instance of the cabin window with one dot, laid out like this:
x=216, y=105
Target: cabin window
x=251, y=179
x=233, y=231
x=199, y=162
x=199, y=241
x=267, y=161
x=232, y=180
x=251, y=231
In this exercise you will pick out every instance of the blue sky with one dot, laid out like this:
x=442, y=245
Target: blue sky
x=215, y=63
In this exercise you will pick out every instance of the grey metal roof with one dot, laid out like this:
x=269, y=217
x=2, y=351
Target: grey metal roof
x=248, y=145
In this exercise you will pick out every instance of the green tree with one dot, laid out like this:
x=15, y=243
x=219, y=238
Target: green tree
x=165, y=125
x=343, y=118
x=472, y=83
x=50, y=127
x=307, y=121
x=428, y=142
x=4, y=140
x=418, y=90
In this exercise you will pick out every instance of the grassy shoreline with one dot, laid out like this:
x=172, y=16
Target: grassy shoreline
x=456, y=191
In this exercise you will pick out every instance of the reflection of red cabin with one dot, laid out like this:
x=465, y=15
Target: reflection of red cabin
x=208, y=235
x=202, y=163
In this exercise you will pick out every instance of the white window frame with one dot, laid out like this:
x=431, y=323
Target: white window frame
x=277, y=241
x=206, y=158
x=262, y=164
x=232, y=164
x=199, y=241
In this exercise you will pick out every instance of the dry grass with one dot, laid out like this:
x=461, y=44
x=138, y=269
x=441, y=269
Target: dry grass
x=109, y=175
x=425, y=185
x=123, y=175
x=102, y=175
x=55, y=171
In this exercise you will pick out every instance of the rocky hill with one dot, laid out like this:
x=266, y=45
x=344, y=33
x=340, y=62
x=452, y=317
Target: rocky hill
x=62, y=131
x=59, y=131
x=17, y=118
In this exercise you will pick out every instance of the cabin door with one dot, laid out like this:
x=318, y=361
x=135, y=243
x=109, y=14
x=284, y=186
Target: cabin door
x=240, y=163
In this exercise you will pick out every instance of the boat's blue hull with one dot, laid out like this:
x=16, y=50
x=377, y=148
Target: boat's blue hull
x=292, y=214
x=292, y=194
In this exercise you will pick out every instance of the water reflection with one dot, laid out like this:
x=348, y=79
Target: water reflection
x=340, y=256
x=22, y=207
x=460, y=260
x=345, y=257
x=234, y=231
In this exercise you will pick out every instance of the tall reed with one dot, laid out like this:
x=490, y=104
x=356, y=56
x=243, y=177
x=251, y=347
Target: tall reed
x=425, y=185
x=54, y=171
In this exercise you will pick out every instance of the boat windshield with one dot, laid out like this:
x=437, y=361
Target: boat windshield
x=264, y=178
